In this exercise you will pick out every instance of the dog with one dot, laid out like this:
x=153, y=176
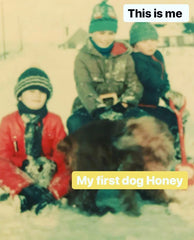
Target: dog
x=142, y=144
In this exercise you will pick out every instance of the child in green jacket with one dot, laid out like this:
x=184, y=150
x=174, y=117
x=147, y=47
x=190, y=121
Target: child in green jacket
x=104, y=72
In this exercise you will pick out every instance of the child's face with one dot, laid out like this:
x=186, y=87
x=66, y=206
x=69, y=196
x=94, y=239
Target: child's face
x=147, y=47
x=103, y=38
x=33, y=99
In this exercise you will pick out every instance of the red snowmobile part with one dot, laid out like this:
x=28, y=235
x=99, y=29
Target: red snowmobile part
x=184, y=165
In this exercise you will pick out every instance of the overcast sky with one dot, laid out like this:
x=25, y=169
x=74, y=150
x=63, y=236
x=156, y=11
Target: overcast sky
x=45, y=20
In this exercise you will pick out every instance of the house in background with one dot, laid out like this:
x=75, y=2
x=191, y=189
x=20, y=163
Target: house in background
x=174, y=35
x=189, y=31
x=76, y=40
x=170, y=35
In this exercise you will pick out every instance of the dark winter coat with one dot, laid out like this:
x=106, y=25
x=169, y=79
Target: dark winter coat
x=152, y=74
x=96, y=74
x=12, y=154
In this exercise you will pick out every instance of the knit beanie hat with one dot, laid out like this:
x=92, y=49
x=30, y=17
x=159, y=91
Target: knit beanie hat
x=141, y=31
x=33, y=78
x=103, y=18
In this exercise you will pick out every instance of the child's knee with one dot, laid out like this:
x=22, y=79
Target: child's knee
x=73, y=123
x=77, y=120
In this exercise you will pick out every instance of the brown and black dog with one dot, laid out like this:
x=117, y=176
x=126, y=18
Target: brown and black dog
x=143, y=144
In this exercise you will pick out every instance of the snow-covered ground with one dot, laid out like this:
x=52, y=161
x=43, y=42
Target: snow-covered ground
x=156, y=222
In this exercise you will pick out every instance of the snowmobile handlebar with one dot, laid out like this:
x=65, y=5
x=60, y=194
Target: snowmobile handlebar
x=109, y=95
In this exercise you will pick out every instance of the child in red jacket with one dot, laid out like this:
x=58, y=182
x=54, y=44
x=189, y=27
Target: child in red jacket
x=30, y=164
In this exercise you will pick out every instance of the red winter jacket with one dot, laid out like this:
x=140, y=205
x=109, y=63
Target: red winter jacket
x=12, y=154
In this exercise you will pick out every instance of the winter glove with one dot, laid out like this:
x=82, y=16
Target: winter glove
x=111, y=115
x=177, y=98
x=47, y=198
x=119, y=108
x=33, y=195
x=97, y=112
x=104, y=113
x=185, y=116
x=4, y=196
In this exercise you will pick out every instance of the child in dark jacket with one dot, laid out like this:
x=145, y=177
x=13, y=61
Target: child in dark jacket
x=30, y=164
x=150, y=68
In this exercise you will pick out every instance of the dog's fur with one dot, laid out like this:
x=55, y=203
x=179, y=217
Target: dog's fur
x=142, y=144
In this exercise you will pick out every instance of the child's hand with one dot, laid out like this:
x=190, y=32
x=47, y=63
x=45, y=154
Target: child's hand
x=186, y=115
x=120, y=107
x=111, y=115
x=177, y=98
x=35, y=195
x=32, y=196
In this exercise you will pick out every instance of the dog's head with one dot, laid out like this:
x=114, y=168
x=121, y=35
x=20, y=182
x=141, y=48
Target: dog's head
x=153, y=136
x=69, y=146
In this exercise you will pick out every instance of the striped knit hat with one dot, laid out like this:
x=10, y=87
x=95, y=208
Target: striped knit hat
x=33, y=78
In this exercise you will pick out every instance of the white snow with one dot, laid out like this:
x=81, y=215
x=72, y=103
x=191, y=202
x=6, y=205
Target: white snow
x=156, y=222
x=174, y=222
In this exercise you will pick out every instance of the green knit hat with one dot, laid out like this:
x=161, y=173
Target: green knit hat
x=33, y=78
x=141, y=31
x=103, y=18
